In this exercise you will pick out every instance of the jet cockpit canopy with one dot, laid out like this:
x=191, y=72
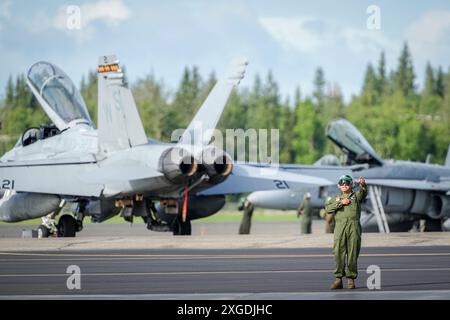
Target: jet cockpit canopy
x=352, y=142
x=58, y=95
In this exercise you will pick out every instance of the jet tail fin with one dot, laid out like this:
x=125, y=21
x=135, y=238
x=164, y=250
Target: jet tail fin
x=119, y=124
x=200, y=130
x=447, y=159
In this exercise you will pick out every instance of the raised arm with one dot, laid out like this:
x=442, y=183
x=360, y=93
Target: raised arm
x=362, y=192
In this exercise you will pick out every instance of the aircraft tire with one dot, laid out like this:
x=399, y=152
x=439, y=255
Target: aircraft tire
x=67, y=226
x=182, y=228
x=186, y=228
x=433, y=225
x=43, y=231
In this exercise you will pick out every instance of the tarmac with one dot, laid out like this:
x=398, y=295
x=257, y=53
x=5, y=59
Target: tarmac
x=274, y=262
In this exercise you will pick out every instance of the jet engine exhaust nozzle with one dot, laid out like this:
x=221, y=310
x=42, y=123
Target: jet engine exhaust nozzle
x=177, y=164
x=217, y=163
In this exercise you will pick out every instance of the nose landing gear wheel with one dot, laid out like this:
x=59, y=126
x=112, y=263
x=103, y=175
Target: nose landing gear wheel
x=43, y=231
x=67, y=226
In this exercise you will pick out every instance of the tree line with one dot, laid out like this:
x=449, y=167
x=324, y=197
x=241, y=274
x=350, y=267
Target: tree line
x=399, y=119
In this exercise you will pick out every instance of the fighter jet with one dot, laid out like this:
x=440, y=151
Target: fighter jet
x=400, y=192
x=114, y=168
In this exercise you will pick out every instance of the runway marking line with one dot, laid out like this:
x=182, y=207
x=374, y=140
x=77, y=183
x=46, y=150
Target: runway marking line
x=207, y=272
x=237, y=295
x=91, y=257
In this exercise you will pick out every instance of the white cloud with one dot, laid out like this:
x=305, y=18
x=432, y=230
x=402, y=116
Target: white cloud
x=5, y=8
x=113, y=12
x=308, y=35
x=429, y=35
x=302, y=34
x=5, y=11
x=367, y=41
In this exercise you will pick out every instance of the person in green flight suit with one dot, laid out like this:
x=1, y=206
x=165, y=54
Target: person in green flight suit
x=346, y=208
x=248, y=209
x=305, y=214
x=329, y=220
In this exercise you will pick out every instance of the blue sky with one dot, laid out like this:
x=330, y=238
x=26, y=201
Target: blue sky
x=291, y=38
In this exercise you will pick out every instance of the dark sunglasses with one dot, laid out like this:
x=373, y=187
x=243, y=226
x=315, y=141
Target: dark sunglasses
x=344, y=183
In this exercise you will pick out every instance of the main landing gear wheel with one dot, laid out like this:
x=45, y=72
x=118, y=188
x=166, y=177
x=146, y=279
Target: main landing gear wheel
x=182, y=228
x=432, y=225
x=67, y=226
x=43, y=231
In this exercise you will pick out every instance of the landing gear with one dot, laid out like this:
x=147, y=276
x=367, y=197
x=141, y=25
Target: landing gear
x=167, y=221
x=246, y=222
x=181, y=228
x=79, y=215
x=67, y=226
x=432, y=225
x=43, y=231
x=48, y=226
x=152, y=219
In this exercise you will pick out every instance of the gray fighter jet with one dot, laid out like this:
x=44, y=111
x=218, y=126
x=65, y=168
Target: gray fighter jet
x=114, y=168
x=400, y=192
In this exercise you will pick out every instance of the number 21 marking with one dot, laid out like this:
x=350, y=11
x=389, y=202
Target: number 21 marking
x=7, y=184
x=281, y=184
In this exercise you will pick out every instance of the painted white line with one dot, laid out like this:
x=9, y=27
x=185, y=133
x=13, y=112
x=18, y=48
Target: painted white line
x=378, y=294
x=204, y=256
x=107, y=274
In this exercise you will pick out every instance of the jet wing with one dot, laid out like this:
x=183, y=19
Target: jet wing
x=411, y=184
x=330, y=173
x=247, y=178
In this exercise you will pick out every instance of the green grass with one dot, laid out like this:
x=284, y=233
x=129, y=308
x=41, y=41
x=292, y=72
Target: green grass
x=258, y=215
x=221, y=216
x=38, y=221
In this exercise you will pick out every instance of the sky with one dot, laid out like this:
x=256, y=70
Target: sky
x=290, y=38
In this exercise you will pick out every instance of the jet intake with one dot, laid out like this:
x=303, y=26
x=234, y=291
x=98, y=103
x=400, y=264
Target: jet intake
x=177, y=165
x=216, y=163
x=24, y=205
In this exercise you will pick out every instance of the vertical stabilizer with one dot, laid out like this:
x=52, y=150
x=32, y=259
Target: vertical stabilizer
x=119, y=124
x=447, y=159
x=200, y=130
